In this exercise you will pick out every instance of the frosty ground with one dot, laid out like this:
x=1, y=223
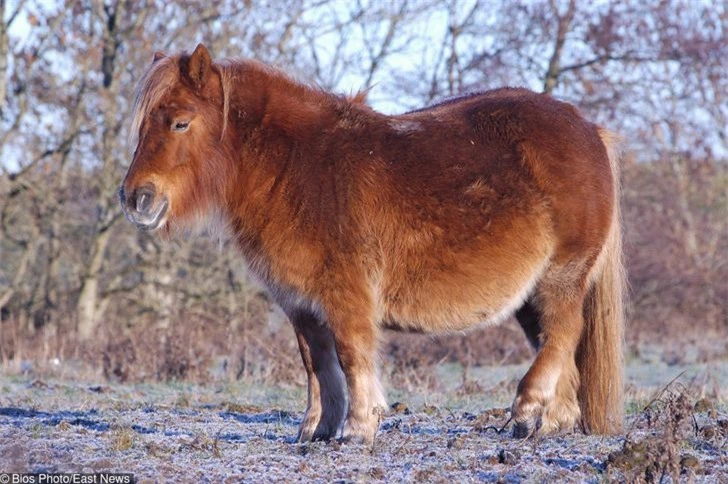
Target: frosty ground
x=231, y=432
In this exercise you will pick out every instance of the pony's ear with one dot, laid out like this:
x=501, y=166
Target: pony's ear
x=198, y=67
x=158, y=55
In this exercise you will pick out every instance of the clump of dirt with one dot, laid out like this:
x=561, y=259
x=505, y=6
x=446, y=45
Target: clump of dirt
x=400, y=407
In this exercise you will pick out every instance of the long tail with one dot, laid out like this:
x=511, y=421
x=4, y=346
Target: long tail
x=599, y=357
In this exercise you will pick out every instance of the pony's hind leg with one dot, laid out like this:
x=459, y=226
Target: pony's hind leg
x=546, y=401
x=326, y=384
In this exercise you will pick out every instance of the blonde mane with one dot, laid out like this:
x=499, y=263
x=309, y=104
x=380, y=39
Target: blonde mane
x=158, y=80
x=226, y=80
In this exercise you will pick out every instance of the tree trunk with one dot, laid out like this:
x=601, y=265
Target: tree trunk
x=89, y=305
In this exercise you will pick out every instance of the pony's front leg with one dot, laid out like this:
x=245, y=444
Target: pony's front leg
x=355, y=334
x=326, y=383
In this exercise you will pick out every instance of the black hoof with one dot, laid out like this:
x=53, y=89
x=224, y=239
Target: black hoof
x=524, y=430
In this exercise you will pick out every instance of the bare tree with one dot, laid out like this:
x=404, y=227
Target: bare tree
x=652, y=70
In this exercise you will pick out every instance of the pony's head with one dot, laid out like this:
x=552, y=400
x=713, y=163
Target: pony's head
x=178, y=121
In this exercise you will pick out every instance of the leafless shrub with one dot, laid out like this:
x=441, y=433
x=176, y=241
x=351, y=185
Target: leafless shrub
x=658, y=443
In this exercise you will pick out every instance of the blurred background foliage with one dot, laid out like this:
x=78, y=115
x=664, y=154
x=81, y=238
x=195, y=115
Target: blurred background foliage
x=84, y=292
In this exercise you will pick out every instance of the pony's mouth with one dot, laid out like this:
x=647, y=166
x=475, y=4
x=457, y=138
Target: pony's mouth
x=150, y=221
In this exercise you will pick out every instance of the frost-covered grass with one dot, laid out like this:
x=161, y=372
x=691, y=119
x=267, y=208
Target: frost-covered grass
x=446, y=432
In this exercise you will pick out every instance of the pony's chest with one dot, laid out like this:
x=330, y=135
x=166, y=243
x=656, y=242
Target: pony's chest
x=288, y=284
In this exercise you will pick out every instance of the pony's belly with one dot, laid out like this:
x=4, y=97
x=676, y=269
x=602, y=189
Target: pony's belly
x=453, y=291
x=443, y=322
x=456, y=307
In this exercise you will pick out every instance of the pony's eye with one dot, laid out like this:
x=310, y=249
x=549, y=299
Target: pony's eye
x=180, y=125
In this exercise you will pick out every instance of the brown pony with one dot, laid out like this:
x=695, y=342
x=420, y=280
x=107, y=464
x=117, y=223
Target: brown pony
x=438, y=220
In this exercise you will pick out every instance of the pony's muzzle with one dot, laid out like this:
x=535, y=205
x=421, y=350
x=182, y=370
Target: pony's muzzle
x=143, y=207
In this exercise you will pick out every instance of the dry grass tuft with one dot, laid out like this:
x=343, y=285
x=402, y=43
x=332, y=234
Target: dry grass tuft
x=241, y=408
x=160, y=451
x=203, y=443
x=122, y=437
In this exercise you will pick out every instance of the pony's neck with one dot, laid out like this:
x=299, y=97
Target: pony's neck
x=270, y=117
x=281, y=136
x=261, y=97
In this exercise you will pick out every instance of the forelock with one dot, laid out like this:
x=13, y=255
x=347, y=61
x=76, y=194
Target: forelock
x=157, y=81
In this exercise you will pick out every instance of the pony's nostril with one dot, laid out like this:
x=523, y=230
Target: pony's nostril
x=122, y=196
x=143, y=202
x=144, y=199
